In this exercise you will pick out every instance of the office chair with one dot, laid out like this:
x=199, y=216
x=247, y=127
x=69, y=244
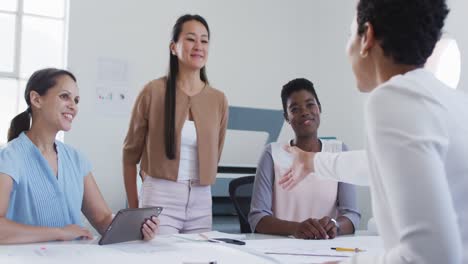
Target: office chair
x=240, y=192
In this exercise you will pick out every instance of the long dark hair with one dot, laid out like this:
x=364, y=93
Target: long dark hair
x=170, y=99
x=40, y=81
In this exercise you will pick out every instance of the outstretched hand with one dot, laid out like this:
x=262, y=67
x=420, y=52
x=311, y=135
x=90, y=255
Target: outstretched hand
x=303, y=165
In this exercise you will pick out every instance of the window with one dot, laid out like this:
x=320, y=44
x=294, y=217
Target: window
x=33, y=37
x=445, y=62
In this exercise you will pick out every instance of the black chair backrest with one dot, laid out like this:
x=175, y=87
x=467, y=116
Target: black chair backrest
x=240, y=192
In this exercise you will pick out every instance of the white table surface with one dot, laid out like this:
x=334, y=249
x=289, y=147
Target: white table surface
x=170, y=249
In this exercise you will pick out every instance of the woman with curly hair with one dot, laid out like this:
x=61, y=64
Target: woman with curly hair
x=416, y=151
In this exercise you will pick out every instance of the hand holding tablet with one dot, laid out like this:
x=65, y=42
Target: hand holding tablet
x=132, y=224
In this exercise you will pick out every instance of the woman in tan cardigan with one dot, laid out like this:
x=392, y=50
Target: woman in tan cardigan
x=176, y=133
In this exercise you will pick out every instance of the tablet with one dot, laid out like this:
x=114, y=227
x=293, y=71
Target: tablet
x=126, y=225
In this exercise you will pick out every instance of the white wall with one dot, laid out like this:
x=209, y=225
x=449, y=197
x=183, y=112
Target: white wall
x=256, y=47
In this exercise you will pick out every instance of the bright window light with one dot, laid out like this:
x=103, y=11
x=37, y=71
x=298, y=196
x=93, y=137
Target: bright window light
x=42, y=44
x=32, y=36
x=50, y=8
x=8, y=105
x=8, y=5
x=445, y=62
x=7, y=44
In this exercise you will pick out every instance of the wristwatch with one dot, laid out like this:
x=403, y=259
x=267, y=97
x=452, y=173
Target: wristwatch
x=336, y=224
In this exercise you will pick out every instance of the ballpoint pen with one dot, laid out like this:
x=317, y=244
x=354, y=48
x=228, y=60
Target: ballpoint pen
x=347, y=249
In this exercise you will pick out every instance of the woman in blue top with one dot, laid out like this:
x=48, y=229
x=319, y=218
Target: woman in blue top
x=45, y=184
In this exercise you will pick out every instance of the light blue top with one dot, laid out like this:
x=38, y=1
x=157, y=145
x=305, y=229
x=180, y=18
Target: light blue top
x=39, y=197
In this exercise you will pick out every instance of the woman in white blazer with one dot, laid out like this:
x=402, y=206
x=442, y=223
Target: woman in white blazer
x=417, y=146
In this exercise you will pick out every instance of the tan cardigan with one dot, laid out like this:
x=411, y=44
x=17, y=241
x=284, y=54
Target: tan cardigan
x=145, y=137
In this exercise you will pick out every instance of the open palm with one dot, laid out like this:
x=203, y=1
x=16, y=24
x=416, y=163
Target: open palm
x=303, y=165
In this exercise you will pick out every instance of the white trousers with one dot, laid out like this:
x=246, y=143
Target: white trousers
x=187, y=206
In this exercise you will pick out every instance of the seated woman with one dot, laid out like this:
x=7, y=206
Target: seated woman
x=45, y=184
x=310, y=209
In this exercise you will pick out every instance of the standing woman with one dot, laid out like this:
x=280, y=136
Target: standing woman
x=176, y=133
x=417, y=147
x=45, y=184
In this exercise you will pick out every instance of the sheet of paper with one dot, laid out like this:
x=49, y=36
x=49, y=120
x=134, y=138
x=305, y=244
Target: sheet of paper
x=211, y=234
x=57, y=250
x=290, y=250
x=142, y=247
x=170, y=253
x=191, y=252
x=112, y=87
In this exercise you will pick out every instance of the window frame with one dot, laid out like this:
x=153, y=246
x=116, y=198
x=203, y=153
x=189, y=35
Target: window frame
x=15, y=74
x=19, y=13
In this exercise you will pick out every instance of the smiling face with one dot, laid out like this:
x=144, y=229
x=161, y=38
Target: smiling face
x=303, y=113
x=192, y=46
x=59, y=106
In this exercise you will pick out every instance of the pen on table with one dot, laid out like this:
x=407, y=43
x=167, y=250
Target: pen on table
x=347, y=249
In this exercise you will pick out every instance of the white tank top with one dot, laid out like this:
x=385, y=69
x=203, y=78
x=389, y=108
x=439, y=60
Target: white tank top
x=188, y=165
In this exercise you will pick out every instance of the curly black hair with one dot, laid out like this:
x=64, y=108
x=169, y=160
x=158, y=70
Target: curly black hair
x=407, y=30
x=296, y=85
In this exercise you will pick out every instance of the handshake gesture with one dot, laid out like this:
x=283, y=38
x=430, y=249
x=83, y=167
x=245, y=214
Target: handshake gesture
x=303, y=165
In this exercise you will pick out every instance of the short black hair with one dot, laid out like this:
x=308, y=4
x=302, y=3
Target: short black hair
x=407, y=30
x=295, y=86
